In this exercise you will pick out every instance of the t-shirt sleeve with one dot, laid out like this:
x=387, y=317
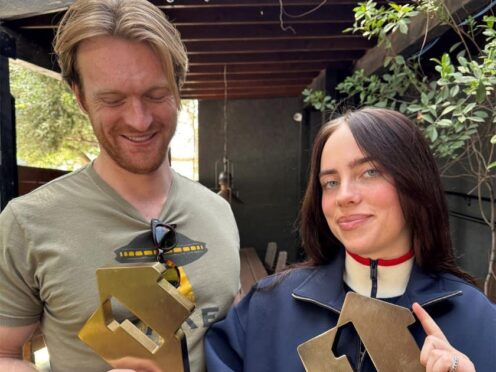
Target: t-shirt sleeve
x=19, y=292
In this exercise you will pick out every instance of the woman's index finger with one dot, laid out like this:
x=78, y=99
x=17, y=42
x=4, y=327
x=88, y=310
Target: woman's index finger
x=428, y=324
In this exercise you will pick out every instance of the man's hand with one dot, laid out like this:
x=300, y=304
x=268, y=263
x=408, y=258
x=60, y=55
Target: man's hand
x=437, y=355
x=11, y=341
x=132, y=364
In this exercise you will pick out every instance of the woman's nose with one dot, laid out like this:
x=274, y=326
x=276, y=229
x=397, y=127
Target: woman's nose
x=348, y=193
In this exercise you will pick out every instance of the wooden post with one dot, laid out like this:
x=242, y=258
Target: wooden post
x=8, y=161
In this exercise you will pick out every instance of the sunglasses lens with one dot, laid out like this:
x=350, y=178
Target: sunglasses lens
x=171, y=273
x=164, y=237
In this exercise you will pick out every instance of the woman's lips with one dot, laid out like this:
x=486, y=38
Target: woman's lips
x=352, y=221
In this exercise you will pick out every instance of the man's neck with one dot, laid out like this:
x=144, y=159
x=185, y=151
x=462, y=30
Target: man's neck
x=146, y=192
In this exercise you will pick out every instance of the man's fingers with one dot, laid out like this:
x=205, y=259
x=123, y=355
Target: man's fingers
x=135, y=364
x=429, y=325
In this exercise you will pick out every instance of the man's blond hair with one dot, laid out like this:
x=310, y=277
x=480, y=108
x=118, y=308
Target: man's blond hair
x=134, y=20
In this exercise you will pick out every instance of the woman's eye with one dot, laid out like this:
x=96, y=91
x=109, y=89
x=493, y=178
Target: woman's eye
x=331, y=184
x=371, y=173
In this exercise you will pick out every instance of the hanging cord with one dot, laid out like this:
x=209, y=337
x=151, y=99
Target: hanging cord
x=225, y=116
x=283, y=11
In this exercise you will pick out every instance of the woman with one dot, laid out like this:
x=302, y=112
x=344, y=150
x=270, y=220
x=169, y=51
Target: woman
x=373, y=221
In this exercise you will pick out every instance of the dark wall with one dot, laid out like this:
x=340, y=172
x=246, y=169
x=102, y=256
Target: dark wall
x=263, y=144
x=471, y=236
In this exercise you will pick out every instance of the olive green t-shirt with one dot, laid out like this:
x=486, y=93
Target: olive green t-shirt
x=53, y=239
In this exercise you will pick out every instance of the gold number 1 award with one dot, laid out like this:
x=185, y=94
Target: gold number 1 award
x=152, y=299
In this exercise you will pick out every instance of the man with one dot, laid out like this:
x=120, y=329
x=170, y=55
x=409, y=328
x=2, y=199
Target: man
x=125, y=63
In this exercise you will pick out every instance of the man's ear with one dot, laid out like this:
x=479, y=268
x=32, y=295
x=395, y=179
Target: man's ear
x=78, y=93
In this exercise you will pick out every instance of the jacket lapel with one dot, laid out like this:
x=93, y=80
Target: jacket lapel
x=325, y=287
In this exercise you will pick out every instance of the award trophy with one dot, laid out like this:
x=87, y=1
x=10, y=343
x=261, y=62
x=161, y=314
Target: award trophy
x=151, y=298
x=383, y=330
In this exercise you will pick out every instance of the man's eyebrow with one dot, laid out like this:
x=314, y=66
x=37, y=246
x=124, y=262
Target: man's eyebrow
x=102, y=93
x=353, y=164
x=113, y=92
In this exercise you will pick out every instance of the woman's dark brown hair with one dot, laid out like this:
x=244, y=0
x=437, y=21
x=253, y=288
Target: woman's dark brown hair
x=394, y=142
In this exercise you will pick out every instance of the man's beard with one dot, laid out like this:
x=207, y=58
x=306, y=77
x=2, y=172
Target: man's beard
x=141, y=163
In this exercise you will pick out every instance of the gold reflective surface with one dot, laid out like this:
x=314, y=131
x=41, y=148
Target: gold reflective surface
x=143, y=291
x=381, y=326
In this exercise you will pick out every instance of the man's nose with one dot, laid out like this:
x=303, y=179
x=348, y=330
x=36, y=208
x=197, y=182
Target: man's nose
x=138, y=115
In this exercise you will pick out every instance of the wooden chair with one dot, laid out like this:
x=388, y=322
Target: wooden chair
x=252, y=270
x=270, y=256
x=35, y=343
x=282, y=260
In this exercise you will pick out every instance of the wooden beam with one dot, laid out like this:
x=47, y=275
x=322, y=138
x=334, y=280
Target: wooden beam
x=236, y=3
x=208, y=14
x=243, y=94
x=288, y=44
x=219, y=77
x=407, y=44
x=264, y=67
x=32, y=48
x=257, y=14
x=247, y=58
x=245, y=84
x=217, y=32
x=236, y=89
x=8, y=160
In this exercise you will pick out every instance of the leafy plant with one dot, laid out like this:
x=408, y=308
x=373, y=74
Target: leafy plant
x=51, y=130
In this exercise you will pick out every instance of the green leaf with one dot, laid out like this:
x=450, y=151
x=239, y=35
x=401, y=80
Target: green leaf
x=469, y=107
x=399, y=59
x=476, y=119
x=448, y=110
x=492, y=165
x=454, y=46
x=481, y=114
x=428, y=118
x=424, y=99
x=480, y=95
x=403, y=27
x=444, y=123
x=432, y=133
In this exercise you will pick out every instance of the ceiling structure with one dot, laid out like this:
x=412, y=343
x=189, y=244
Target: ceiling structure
x=269, y=48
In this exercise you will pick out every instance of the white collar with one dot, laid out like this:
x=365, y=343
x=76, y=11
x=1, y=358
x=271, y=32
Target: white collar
x=391, y=279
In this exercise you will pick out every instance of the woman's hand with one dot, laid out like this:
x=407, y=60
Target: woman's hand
x=437, y=355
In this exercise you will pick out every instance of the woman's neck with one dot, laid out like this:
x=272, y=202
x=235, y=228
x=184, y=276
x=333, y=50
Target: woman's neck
x=378, y=278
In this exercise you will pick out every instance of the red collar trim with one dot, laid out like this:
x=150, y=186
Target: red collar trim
x=382, y=262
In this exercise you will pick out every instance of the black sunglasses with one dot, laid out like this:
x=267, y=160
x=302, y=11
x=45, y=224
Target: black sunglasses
x=164, y=235
x=164, y=238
